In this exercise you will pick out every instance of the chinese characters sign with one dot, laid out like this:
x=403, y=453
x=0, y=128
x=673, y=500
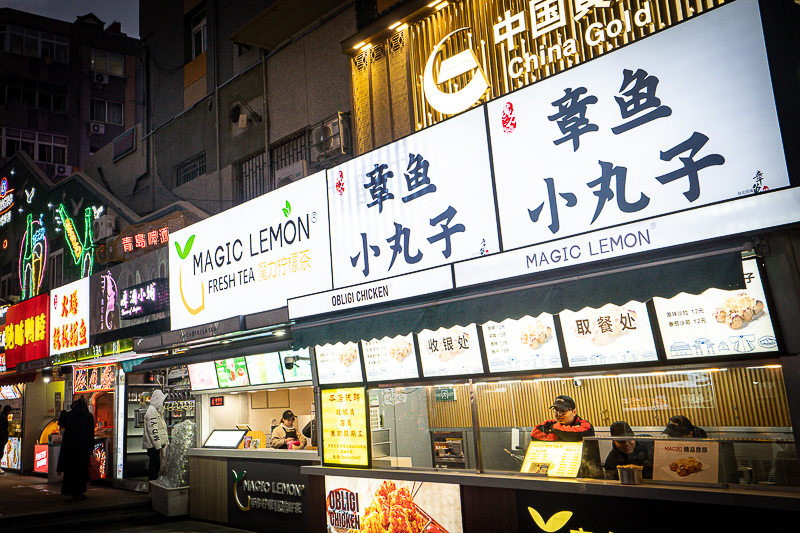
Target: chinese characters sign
x=687, y=461
x=640, y=133
x=253, y=257
x=69, y=317
x=420, y=202
x=451, y=351
x=554, y=459
x=26, y=331
x=345, y=437
x=144, y=299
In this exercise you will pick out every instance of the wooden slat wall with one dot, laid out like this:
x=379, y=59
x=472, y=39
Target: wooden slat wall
x=208, y=492
x=734, y=397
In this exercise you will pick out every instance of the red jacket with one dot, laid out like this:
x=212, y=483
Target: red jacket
x=553, y=430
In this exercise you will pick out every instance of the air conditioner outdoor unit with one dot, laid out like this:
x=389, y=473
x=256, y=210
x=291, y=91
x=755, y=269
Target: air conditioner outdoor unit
x=97, y=129
x=61, y=172
x=100, y=78
x=104, y=226
x=291, y=173
x=330, y=138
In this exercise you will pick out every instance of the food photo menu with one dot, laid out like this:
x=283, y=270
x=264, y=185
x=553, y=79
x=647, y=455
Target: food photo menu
x=390, y=358
x=529, y=343
x=338, y=363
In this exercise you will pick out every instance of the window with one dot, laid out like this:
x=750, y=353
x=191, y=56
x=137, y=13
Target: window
x=56, y=267
x=190, y=169
x=287, y=152
x=33, y=43
x=33, y=94
x=251, y=177
x=42, y=147
x=199, y=36
x=108, y=112
x=108, y=62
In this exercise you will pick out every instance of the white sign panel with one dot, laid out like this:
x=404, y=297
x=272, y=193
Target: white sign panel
x=389, y=290
x=687, y=461
x=610, y=335
x=423, y=201
x=390, y=358
x=451, y=351
x=252, y=257
x=717, y=322
x=338, y=363
x=668, y=124
x=529, y=343
x=69, y=317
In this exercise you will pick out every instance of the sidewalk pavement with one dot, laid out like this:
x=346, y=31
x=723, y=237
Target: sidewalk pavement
x=29, y=503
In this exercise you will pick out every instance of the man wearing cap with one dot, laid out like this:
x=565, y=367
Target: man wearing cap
x=628, y=452
x=285, y=435
x=569, y=427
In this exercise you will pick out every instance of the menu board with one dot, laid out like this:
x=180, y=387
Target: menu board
x=345, y=437
x=451, y=351
x=301, y=368
x=203, y=376
x=232, y=373
x=525, y=344
x=688, y=461
x=94, y=378
x=338, y=363
x=390, y=358
x=553, y=458
x=264, y=368
x=610, y=335
x=351, y=504
x=10, y=392
x=717, y=322
x=11, y=457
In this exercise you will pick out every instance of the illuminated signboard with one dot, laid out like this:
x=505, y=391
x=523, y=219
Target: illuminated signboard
x=252, y=257
x=26, y=330
x=529, y=343
x=32, y=257
x=82, y=248
x=149, y=239
x=6, y=201
x=203, y=376
x=338, y=363
x=390, y=358
x=94, y=378
x=69, y=317
x=144, y=299
x=232, y=372
x=345, y=433
x=217, y=401
x=451, y=351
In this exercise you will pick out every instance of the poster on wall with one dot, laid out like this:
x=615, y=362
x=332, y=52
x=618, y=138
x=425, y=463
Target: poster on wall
x=612, y=334
x=253, y=257
x=264, y=368
x=360, y=504
x=338, y=363
x=11, y=458
x=70, y=317
x=345, y=429
x=717, y=322
x=451, y=351
x=529, y=343
x=417, y=203
x=390, y=358
x=26, y=330
x=625, y=137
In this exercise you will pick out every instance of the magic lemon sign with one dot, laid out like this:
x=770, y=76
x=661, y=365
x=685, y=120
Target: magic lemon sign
x=253, y=257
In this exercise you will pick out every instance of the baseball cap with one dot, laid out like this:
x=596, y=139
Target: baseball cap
x=563, y=402
x=620, y=429
x=678, y=426
x=288, y=415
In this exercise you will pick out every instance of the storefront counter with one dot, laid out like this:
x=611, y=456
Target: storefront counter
x=256, y=490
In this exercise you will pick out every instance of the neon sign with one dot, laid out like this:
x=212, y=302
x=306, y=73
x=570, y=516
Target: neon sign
x=82, y=249
x=32, y=258
x=6, y=202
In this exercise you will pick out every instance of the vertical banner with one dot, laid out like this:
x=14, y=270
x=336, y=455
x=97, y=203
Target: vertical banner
x=345, y=433
x=27, y=325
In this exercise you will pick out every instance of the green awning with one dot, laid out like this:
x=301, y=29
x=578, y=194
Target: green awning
x=497, y=303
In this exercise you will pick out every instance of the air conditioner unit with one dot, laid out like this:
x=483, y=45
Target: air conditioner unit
x=97, y=129
x=61, y=172
x=291, y=173
x=100, y=78
x=330, y=138
x=104, y=226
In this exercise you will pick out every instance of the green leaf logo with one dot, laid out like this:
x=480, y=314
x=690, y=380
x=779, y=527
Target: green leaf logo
x=287, y=210
x=238, y=477
x=188, y=247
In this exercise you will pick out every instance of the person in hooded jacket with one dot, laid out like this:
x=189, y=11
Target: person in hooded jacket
x=155, y=438
x=77, y=444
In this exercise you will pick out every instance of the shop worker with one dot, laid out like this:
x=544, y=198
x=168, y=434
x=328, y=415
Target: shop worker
x=155, y=438
x=627, y=451
x=4, y=433
x=285, y=435
x=567, y=426
x=680, y=427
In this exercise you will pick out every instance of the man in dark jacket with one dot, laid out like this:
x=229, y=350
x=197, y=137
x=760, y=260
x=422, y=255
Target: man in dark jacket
x=4, y=433
x=569, y=427
x=77, y=444
x=628, y=452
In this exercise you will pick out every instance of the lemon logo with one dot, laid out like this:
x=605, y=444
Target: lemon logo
x=556, y=522
x=461, y=63
x=183, y=254
x=236, y=479
x=287, y=210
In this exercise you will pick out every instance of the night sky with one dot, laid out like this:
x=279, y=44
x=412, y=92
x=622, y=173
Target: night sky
x=125, y=11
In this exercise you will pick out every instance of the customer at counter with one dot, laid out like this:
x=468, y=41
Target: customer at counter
x=680, y=427
x=285, y=435
x=569, y=427
x=628, y=452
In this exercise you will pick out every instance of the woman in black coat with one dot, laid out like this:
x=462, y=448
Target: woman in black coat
x=77, y=443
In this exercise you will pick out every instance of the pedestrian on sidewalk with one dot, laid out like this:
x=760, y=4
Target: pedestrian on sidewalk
x=155, y=438
x=77, y=444
x=4, y=432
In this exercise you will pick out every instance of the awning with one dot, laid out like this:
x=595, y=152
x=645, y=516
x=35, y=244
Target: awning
x=694, y=275
x=16, y=378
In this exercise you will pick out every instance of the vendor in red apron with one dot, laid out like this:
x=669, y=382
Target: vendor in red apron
x=286, y=435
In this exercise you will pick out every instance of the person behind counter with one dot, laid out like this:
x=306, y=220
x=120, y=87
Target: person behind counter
x=680, y=427
x=569, y=427
x=285, y=434
x=628, y=452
